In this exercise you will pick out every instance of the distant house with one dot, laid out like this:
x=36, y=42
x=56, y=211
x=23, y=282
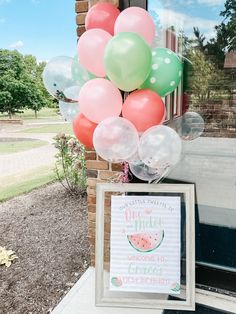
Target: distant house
x=230, y=66
x=230, y=60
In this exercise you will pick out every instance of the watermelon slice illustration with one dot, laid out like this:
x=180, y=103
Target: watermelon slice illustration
x=146, y=242
x=116, y=281
x=175, y=287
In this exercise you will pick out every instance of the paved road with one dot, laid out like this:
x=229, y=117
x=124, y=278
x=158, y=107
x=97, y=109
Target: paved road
x=12, y=164
x=30, y=159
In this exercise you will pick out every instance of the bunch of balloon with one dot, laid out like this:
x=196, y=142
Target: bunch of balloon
x=115, y=57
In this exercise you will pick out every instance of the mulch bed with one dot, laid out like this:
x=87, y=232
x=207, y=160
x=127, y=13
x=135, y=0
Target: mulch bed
x=47, y=229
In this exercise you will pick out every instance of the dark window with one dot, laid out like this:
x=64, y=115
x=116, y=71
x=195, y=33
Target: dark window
x=202, y=33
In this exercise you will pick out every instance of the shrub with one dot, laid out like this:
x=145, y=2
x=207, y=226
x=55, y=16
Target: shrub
x=70, y=165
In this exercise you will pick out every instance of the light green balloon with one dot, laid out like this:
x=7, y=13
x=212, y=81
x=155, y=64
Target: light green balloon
x=166, y=72
x=127, y=60
x=79, y=73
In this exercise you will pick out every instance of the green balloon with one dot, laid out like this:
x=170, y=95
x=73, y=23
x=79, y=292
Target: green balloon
x=166, y=72
x=127, y=60
x=79, y=73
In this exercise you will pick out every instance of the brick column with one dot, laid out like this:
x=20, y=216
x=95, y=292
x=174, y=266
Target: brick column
x=98, y=170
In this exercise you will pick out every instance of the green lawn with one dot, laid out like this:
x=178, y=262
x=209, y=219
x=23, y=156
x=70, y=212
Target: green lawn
x=52, y=128
x=18, y=184
x=19, y=146
x=44, y=113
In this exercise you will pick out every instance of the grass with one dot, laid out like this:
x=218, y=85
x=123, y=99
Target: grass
x=20, y=146
x=28, y=114
x=15, y=185
x=52, y=128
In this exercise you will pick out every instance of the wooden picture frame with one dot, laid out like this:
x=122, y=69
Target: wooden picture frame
x=186, y=300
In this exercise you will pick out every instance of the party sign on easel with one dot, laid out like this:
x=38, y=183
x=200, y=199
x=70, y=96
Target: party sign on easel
x=145, y=244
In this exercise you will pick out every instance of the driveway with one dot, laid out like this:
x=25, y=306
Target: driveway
x=11, y=164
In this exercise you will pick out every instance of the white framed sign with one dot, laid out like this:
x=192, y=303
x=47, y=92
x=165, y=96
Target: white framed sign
x=151, y=246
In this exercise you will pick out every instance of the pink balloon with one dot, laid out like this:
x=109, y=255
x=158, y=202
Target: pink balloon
x=91, y=47
x=100, y=99
x=137, y=20
x=102, y=15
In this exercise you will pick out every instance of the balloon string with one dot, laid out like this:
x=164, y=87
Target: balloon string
x=61, y=96
x=182, y=57
x=124, y=178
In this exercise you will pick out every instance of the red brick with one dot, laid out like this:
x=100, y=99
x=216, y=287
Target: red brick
x=91, y=208
x=92, y=216
x=97, y=165
x=117, y=167
x=91, y=191
x=80, y=30
x=81, y=6
x=90, y=155
x=80, y=18
x=91, y=200
x=92, y=173
x=92, y=182
x=109, y=175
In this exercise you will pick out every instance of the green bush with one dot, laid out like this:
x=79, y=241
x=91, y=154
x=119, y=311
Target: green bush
x=70, y=165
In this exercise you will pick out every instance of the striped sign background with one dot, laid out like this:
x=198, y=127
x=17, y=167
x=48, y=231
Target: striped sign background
x=157, y=270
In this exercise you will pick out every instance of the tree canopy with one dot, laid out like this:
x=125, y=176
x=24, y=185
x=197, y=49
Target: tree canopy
x=225, y=39
x=21, y=85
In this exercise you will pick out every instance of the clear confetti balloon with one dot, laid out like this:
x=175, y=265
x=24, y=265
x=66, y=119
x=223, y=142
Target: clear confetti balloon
x=143, y=172
x=160, y=147
x=135, y=158
x=79, y=73
x=68, y=110
x=189, y=127
x=72, y=93
x=115, y=139
x=57, y=76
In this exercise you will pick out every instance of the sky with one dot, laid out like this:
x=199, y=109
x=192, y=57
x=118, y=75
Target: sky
x=47, y=28
x=43, y=28
x=186, y=14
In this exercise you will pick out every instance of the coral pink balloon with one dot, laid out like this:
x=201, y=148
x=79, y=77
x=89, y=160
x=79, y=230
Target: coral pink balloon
x=91, y=47
x=137, y=20
x=144, y=108
x=84, y=129
x=102, y=15
x=100, y=99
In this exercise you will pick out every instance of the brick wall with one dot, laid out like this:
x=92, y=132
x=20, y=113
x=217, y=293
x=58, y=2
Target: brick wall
x=219, y=117
x=99, y=170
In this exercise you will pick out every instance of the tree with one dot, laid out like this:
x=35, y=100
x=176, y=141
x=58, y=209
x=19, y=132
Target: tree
x=202, y=76
x=19, y=83
x=11, y=87
x=226, y=31
x=36, y=85
x=200, y=39
x=225, y=39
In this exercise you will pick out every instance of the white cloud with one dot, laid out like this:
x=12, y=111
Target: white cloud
x=211, y=3
x=186, y=22
x=16, y=45
x=2, y=20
